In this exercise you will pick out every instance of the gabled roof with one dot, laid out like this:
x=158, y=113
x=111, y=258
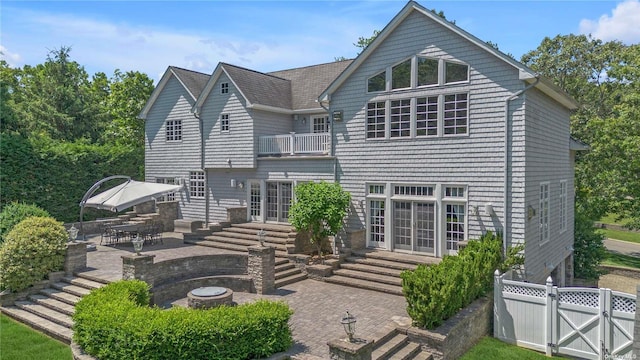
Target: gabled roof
x=255, y=87
x=192, y=81
x=307, y=82
x=526, y=74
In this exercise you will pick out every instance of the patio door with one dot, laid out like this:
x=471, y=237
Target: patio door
x=278, y=201
x=414, y=226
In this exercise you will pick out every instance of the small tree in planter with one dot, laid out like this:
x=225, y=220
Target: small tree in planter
x=319, y=209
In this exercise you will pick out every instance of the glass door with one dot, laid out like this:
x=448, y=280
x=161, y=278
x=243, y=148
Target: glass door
x=279, y=195
x=414, y=226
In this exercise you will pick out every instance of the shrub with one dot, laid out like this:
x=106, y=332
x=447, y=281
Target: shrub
x=15, y=212
x=115, y=322
x=589, y=250
x=435, y=293
x=34, y=248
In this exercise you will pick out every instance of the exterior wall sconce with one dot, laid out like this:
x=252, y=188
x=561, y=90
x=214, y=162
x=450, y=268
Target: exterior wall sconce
x=531, y=212
x=489, y=210
x=240, y=185
x=233, y=183
x=473, y=210
x=337, y=116
x=349, y=323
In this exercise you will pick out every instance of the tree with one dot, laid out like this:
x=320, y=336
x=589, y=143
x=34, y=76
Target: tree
x=604, y=78
x=319, y=209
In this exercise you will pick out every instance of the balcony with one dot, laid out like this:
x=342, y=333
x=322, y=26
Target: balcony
x=294, y=144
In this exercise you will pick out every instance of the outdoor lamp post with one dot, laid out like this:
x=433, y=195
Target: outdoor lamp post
x=137, y=244
x=261, y=235
x=73, y=233
x=349, y=323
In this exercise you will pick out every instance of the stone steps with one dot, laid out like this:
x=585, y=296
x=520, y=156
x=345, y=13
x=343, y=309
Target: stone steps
x=50, y=310
x=377, y=270
x=290, y=279
x=397, y=346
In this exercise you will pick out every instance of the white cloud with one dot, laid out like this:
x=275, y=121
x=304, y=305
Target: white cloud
x=11, y=58
x=622, y=25
x=102, y=45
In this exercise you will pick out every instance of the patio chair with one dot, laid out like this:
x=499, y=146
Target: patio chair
x=108, y=236
x=156, y=232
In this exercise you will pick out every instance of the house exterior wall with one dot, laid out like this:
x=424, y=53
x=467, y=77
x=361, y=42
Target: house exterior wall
x=174, y=159
x=548, y=159
x=475, y=160
x=237, y=144
x=266, y=123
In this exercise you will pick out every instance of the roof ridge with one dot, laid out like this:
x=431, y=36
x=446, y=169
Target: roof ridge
x=310, y=66
x=189, y=70
x=253, y=71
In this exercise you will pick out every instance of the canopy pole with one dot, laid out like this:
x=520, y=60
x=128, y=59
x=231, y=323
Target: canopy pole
x=90, y=192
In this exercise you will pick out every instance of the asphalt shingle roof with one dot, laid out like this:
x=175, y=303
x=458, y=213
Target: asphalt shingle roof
x=261, y=88
x=193, y=80
x=307, y=83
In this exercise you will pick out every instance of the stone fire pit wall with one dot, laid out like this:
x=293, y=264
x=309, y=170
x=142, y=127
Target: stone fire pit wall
x=173, y=279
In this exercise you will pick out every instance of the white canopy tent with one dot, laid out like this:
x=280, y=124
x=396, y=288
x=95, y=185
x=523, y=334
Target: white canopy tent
x=123, y=196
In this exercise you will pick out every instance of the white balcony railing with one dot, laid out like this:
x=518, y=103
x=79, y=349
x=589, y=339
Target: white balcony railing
x=293, y=144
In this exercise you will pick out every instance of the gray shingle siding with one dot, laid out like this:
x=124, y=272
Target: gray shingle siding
x=547, y=159
x=236, y=145
x=475, y=160
x=173, y=159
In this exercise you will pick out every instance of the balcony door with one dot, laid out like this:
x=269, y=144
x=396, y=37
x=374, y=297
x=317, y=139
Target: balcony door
x=278, y=200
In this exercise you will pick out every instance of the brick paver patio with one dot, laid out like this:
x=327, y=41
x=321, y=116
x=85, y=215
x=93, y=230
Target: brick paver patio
x=318, y=306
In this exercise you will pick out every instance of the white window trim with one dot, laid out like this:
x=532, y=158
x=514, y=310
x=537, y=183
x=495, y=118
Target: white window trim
x=312, y=123
x=166, y=130
x=444, y=72
x=386, y=82
x=196, y=182
x=564, y=212
x=545, y=237
x=223, y=88
x=224, y=117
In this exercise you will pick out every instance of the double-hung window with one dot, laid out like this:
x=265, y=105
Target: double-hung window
x=173, y=130
x=224, y=122
x=400, y=121
x=320, y=124
x=376, y=120
x=196, y=184
x=456, y=116
x=224, y=88
x=543, y=210
x=427, y=116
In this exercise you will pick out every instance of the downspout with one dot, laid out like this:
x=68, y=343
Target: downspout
x=206, y=176
x=507, y=150
x=331, y=151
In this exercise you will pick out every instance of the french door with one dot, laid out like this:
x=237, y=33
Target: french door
x=414, y=226
x=278, y=200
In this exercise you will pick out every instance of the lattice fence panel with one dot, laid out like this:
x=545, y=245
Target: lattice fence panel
x=524, y=290
x=583, y=298
x=624, y=304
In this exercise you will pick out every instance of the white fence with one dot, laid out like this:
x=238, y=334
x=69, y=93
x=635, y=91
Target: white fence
x=293, y=144
x=583, y=322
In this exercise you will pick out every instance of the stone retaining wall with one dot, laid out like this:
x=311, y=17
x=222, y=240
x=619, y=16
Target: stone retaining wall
x=458, y=334
x=163, y=294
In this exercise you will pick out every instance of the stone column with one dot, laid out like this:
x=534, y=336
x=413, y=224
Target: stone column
x=139, y=267
x=262, y=267
x=343, y=349
x=76, y=257
x=636, y=328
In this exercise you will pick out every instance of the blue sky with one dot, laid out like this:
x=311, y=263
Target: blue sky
x=148, y=36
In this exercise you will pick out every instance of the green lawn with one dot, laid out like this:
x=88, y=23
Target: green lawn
x=621, y=235
x=611, y=219
x=19, y=342
x=615, y=259
x=490, y=348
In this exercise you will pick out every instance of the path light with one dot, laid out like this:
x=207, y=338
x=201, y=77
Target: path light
x=261, y=235
x=73, y=233
x=349, y=323
x=137, y=244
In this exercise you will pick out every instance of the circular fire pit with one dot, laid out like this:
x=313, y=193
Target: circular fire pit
x=208, y=297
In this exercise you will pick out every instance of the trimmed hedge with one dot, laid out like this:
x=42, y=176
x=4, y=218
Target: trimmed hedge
x=435, y=293
x=70, y=168
x=31, y=250
x=115, y=322
x=14, y=213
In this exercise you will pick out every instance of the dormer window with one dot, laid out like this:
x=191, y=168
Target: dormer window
x=224, y=88
x=377, y=82
x=455, y=72
x=401, y=75
x=427, y=71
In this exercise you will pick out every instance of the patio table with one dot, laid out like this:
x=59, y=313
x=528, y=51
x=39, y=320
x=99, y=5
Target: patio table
x=127, y=230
